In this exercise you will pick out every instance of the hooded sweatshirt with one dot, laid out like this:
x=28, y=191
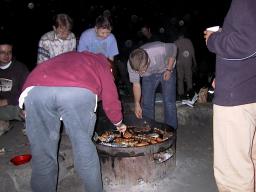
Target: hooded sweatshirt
x=84, y=70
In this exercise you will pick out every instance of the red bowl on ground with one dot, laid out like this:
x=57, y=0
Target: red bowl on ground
x=21, y=159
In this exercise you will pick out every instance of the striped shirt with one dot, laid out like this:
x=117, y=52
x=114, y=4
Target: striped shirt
x=50, y=46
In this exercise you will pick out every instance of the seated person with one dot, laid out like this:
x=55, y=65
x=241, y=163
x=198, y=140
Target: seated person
x=12, y=76
x=100, y=39
x=59, y=40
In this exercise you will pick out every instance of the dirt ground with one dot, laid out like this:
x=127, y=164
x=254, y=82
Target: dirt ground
x=194, y=159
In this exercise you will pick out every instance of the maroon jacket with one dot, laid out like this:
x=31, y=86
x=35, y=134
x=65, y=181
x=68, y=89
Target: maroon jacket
x=80, y=69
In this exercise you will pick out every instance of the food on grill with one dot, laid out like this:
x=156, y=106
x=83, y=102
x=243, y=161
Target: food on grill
x=128, y=142
x=127, y=135
x=106, y=136
x=141, y=129
x=134, y=137
x=141, y=144
x=152, y=141
x=154, y=135
x=159, y=139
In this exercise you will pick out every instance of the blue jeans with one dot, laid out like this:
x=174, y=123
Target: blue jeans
x=44, y=106
x=149, y=86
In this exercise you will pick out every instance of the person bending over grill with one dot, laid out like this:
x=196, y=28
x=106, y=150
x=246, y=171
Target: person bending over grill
x=155, y=63
x=67, y=87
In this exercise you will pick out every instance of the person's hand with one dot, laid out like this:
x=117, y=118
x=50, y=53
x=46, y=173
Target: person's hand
x=207, y=34
x=167, y=75
x=213, y=83
x=138, y=111
x=121, y=128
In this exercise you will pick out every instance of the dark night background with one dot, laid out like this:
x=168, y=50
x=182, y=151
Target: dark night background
x=26, y=24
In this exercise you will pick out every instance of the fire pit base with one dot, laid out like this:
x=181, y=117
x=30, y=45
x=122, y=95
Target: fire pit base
x=129, y=171
x=129, y=166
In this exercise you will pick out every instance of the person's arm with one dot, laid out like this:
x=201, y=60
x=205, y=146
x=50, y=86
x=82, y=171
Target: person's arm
x=112, y=50
x=83, y=42
x=169, y=69
x=43, y=52
x=237, y=39
x=170, y=63
x=137, y=98
x=74, y=46
x=207, y=34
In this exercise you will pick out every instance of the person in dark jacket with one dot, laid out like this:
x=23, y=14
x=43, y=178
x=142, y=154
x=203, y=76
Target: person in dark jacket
x=234, y=118
x=68, y=87
x=12, y=76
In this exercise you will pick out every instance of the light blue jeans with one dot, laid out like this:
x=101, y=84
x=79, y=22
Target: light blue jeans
x=44, y=106
x=149, y=86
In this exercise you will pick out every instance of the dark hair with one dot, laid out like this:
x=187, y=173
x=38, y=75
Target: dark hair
x=104, y=22
x=62, y=20
x=138, y=58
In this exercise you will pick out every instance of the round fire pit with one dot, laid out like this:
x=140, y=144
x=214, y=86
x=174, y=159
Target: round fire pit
x=135, y=165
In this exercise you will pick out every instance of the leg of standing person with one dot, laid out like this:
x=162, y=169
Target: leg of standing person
x=149, y=85
x=180, y=78
x=188, y=75
x=43, y=127
x=77, y=106
x=234, y=134
x=169, y=99
x=254, y=158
